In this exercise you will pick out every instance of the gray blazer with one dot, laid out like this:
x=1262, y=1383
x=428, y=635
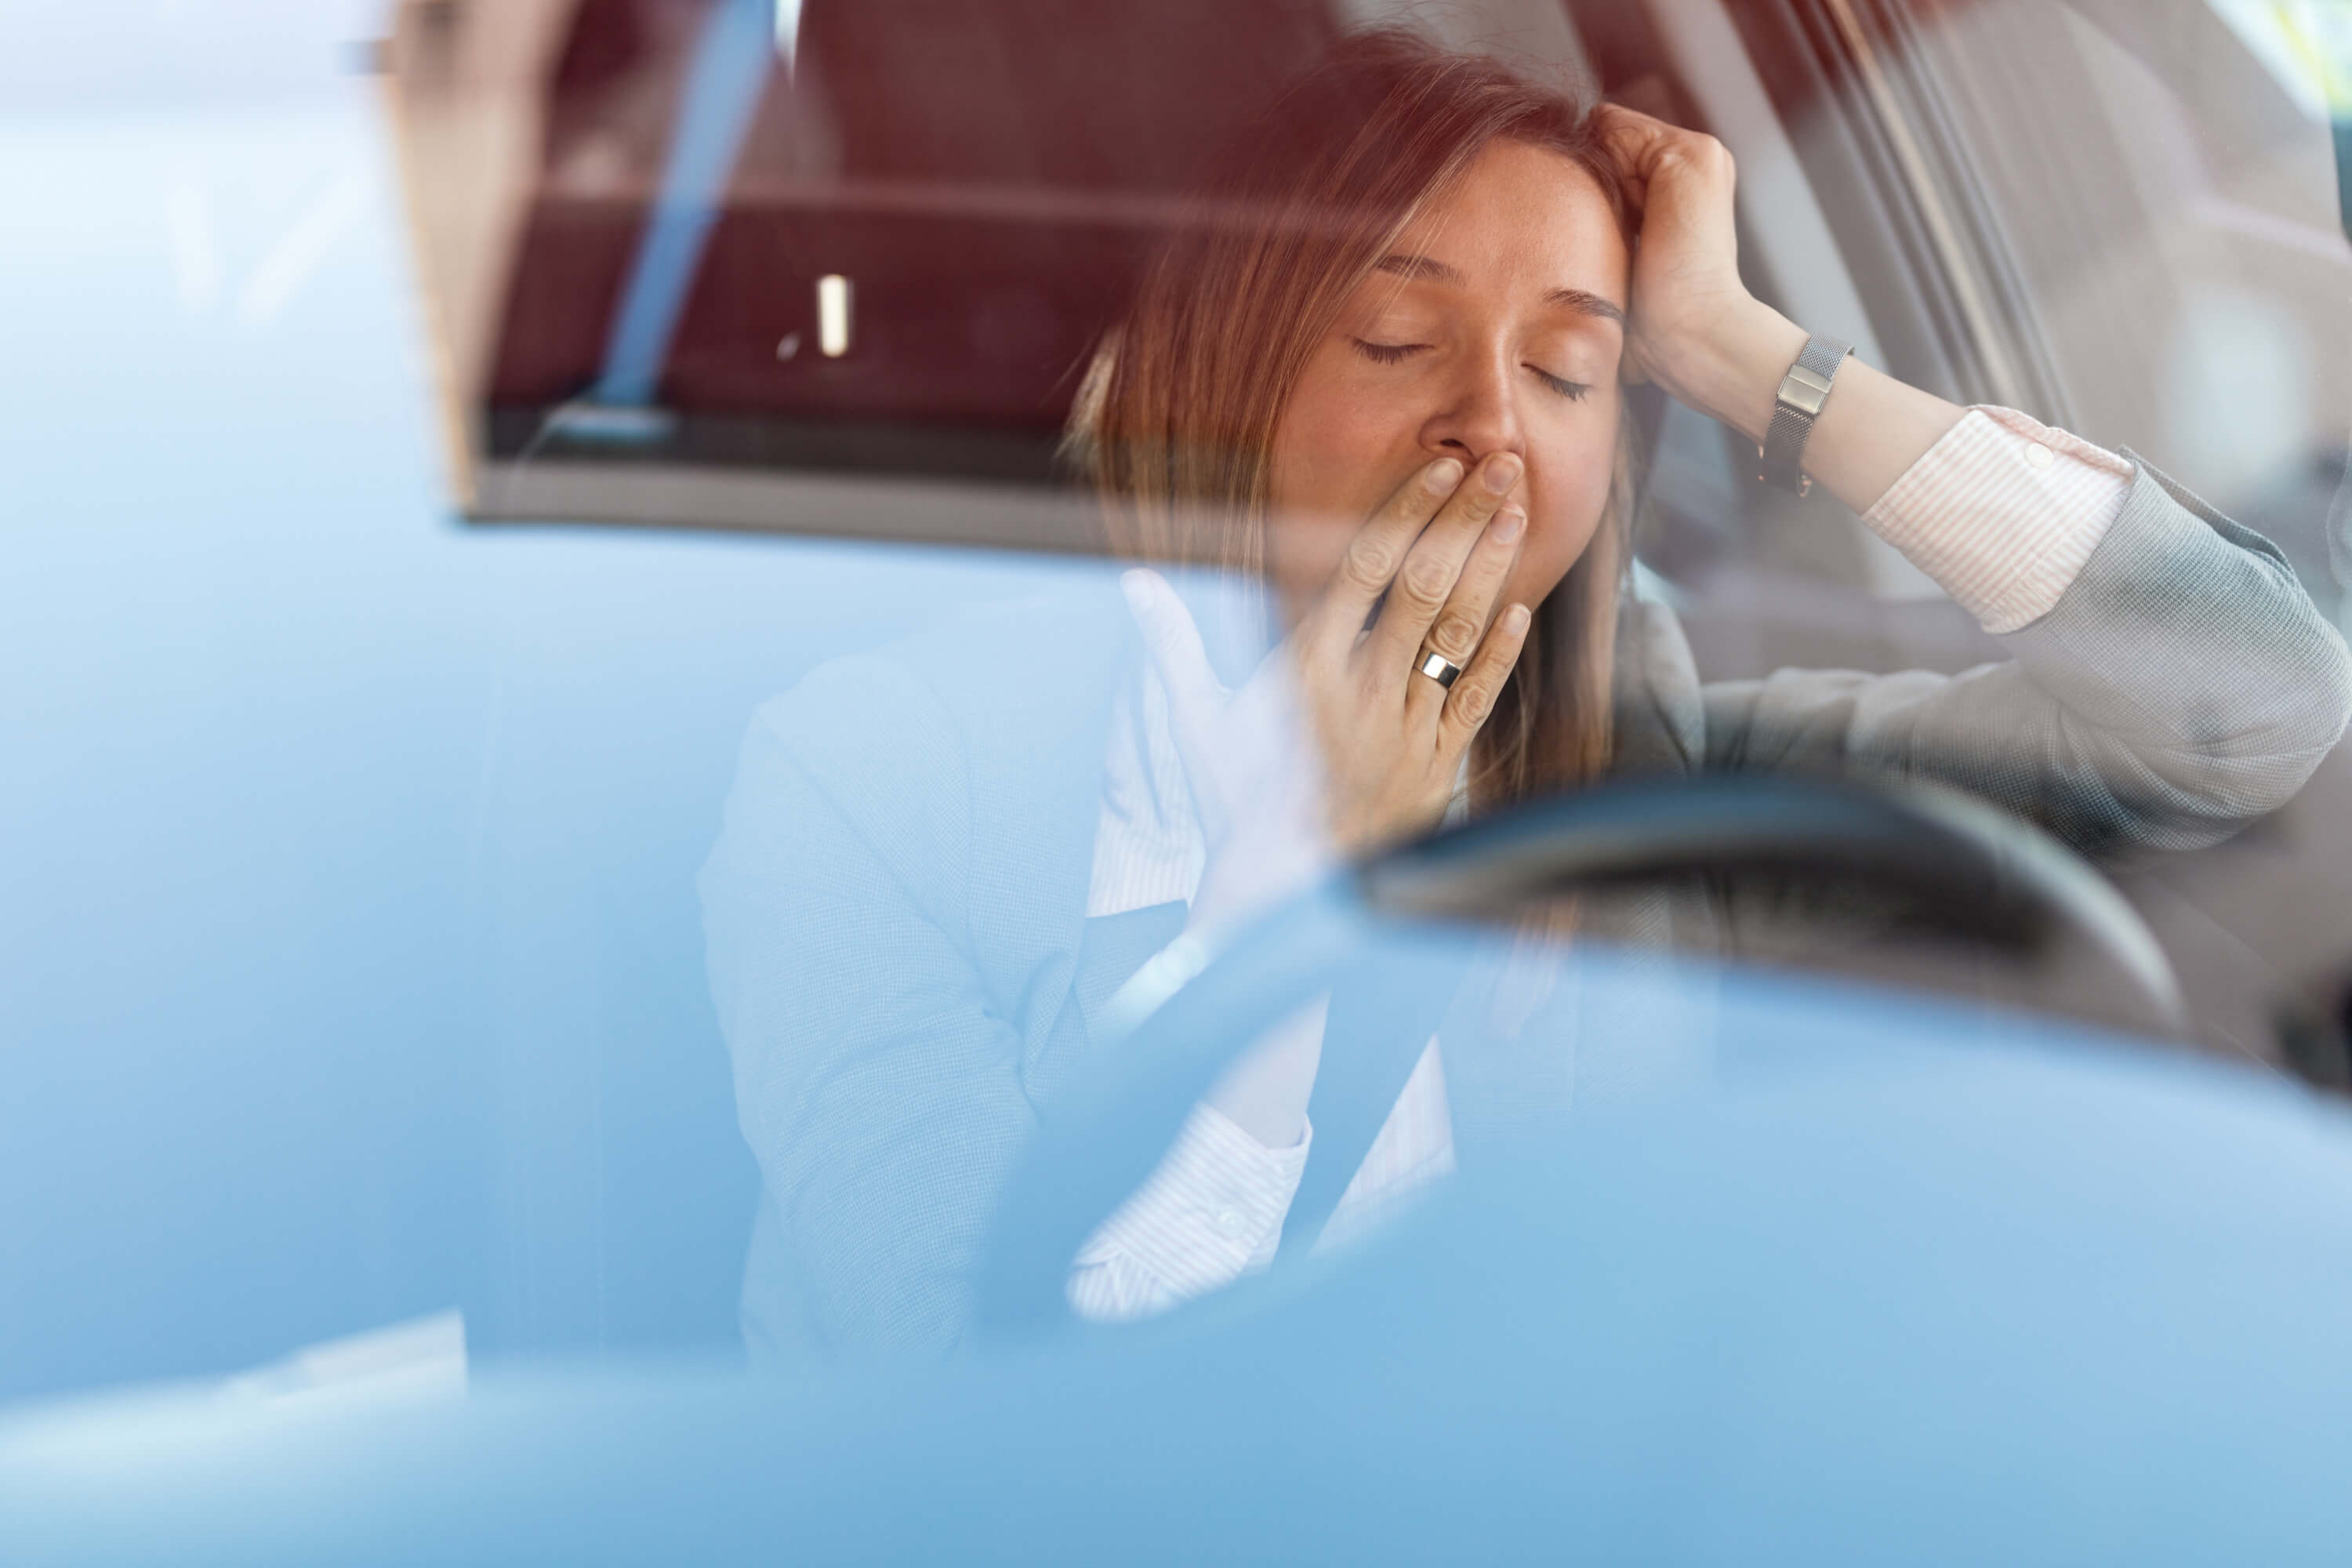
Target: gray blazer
x=896, y=906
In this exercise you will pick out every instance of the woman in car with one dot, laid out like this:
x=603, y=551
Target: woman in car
x=1382, y=371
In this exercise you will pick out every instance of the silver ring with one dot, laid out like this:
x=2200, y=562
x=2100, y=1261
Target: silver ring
x=1440, y=668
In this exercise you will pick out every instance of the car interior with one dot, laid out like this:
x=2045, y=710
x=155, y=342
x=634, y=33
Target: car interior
x=846, y=300
x=2000, y=204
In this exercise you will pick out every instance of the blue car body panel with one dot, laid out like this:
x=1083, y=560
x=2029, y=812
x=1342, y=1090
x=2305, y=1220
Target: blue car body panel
x=2050, y=1300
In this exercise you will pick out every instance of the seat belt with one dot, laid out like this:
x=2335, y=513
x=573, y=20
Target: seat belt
x=1382, y=1015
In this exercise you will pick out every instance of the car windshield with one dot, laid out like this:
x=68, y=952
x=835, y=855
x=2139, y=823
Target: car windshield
x=766, y=685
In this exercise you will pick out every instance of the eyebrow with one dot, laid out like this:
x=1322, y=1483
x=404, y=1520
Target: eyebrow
x=1417, y=266
x=1588, y=302
x=1584, y=302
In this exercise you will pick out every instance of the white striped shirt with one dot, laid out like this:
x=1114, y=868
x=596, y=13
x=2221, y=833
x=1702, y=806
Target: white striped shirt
x=2002, y=514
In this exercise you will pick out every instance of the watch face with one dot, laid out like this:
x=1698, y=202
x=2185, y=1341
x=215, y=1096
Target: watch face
x=1805, y=390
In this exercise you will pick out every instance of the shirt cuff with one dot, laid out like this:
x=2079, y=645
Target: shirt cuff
x=2003, y=513
x=1210, y=1212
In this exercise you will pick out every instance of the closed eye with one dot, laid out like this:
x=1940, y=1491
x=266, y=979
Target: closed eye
x=1387, y=354
x=1573, y=391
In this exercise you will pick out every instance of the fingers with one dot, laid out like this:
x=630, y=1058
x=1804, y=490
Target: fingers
x=1460, y=625
x=1615, y=121
x=1433, y=567
x=1639, y=138
x=1648, y=149
x=1379, y=548
x=1632, y=138
x=1473, y=695
x=1173, y=640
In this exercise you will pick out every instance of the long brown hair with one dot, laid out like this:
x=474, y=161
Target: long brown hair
x=1177, y=417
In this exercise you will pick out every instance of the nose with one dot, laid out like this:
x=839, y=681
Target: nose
x=1477, y=414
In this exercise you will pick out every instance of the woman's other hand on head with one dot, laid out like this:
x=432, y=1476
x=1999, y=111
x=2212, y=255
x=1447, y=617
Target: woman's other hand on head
x=1696, y=328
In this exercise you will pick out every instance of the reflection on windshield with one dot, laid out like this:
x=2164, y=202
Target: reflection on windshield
x=1388, y=372
x=1121, y=531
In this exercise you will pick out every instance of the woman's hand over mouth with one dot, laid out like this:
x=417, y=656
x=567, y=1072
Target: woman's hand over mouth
x=1423, y=575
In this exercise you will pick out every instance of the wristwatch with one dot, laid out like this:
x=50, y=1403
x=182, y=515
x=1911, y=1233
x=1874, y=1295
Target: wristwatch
x=1794, y=408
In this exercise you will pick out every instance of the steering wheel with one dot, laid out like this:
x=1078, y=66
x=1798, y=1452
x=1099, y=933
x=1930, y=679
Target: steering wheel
x=1968, y=870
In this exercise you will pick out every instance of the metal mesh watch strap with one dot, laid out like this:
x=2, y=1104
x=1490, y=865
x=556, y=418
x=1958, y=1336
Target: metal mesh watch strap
x=1799, y=403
